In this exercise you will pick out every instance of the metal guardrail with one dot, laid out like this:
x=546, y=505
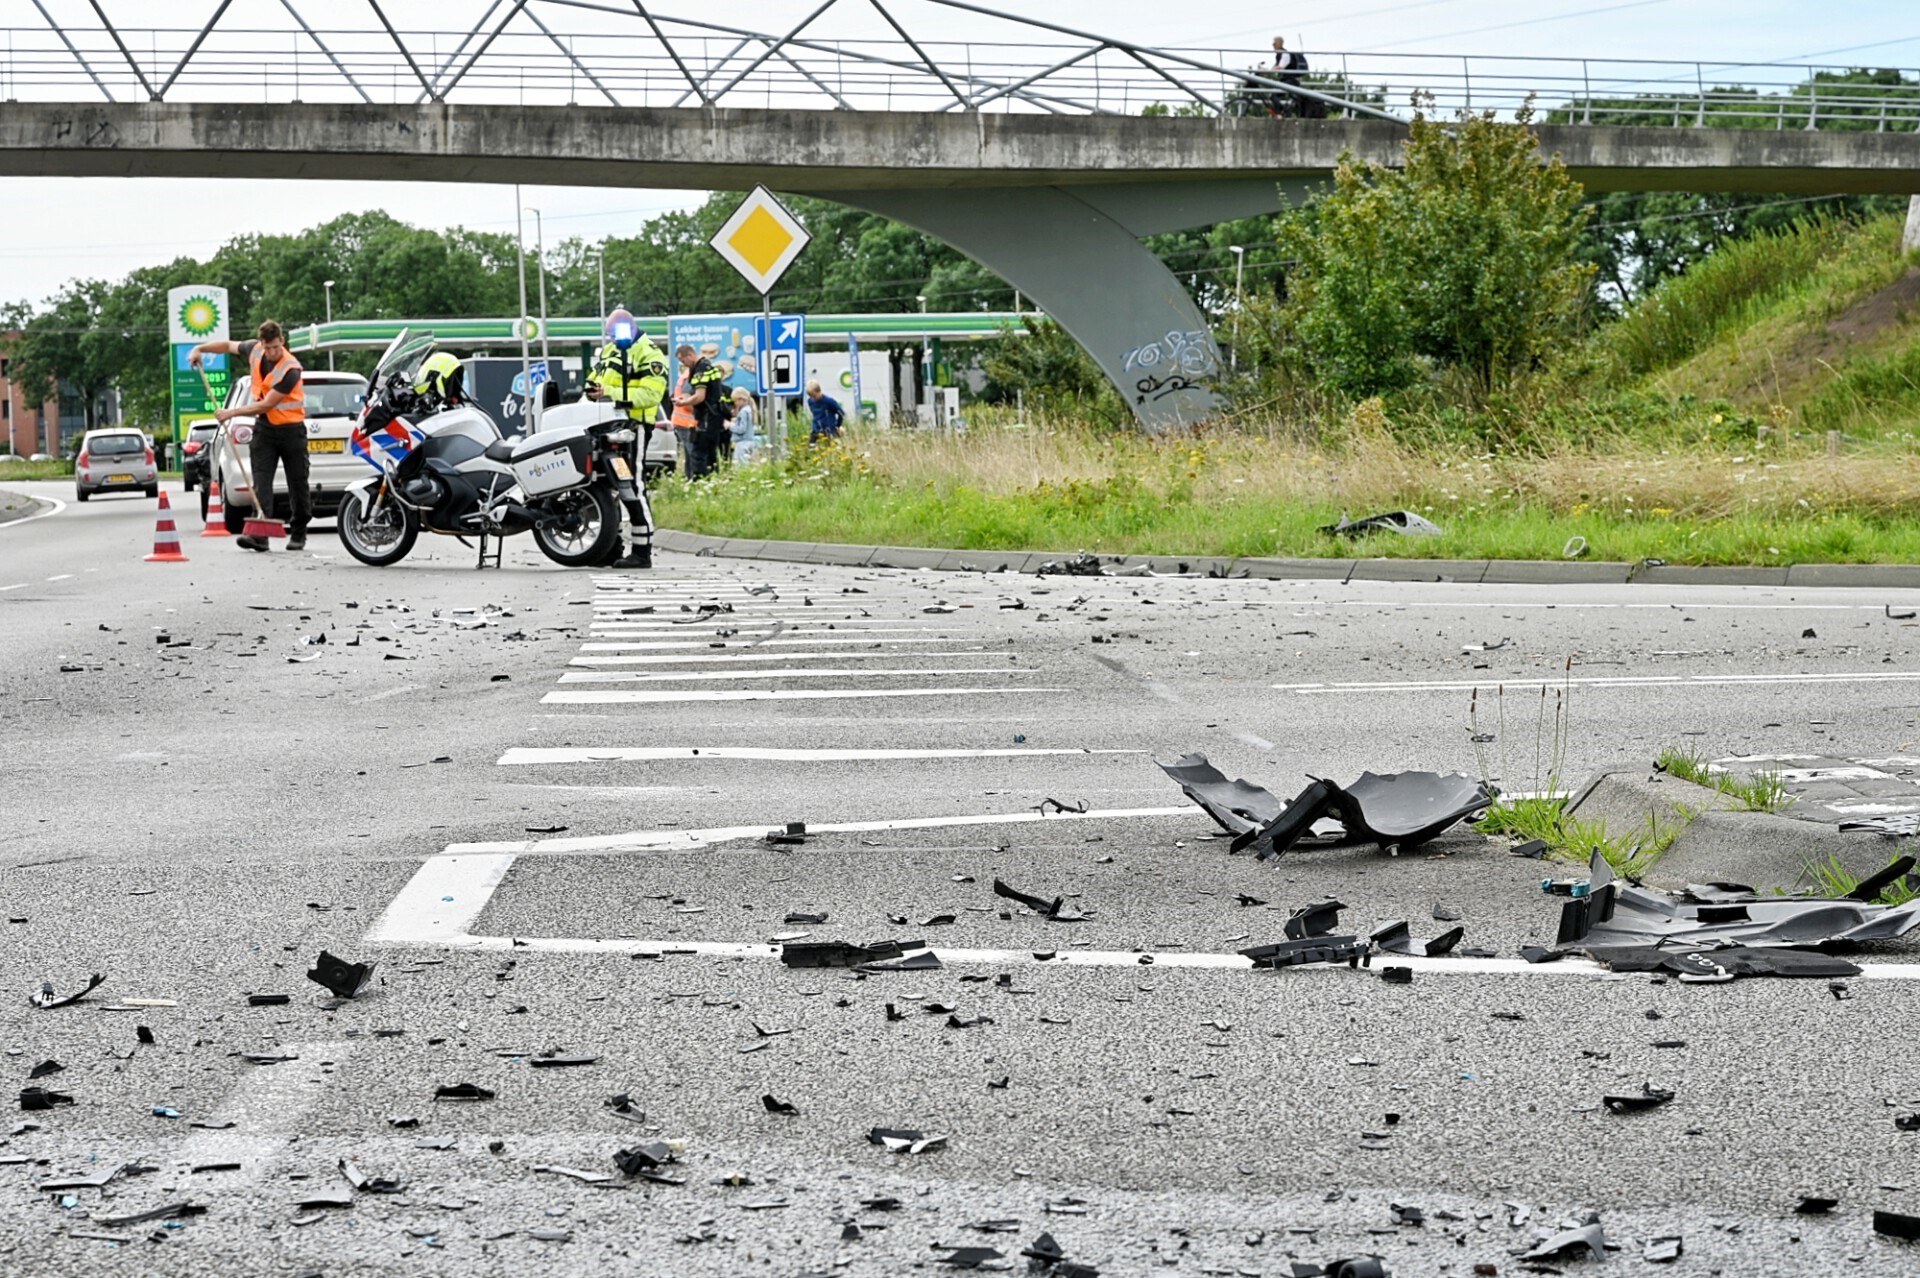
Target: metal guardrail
x=584, y=52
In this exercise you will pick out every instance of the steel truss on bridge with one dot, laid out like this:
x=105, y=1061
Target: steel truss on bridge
x=895, y=55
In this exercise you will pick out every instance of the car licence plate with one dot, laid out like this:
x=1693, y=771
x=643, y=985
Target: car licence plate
x=621, y=468
x=326, y=445
x=119, y=479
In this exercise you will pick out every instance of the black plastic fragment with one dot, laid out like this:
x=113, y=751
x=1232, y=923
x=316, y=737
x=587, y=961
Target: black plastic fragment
x=1896, y=1224
x=45, y=1068
x=1317, y=919
x=1814, y=1205
x=1650, y=1097
x=643, y=1157
x=1236, y=806
x=1869, y=889
x=462, y=1092
x=1663, y=1251
x=46, y=998
x=558, y=1060
x=1532, y=849
x=1292, y=824
x=269, y=1000
x=340, y=977
x=1397, y=975
x=33, y=1099
x=775, y=1106
x=970, y=1257
x=1395, y=938
x=842, y=953
x=171, y=1211
x=1056, y=910
x=1350, y=950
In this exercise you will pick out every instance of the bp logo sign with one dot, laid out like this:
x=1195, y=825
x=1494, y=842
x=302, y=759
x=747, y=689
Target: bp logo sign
x=200, y=316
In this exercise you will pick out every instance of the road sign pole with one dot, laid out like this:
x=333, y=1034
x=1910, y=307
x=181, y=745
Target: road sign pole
x=768, y=407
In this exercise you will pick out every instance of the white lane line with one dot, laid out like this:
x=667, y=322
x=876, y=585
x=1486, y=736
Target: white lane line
x=390, y=692
x=771, y=694
x=266, y=1108
x=654, y=754
x=628, y=646
x=1600, y=607
x=678, y=659
x=682, y=840
x=18, y=585
x=56, y=508
x=65, y=576
x=440, y=904
x=621, y=676
x=1607, y=681
x=736, y=630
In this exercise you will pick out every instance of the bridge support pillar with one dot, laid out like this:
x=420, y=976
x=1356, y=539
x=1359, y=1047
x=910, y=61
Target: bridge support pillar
x=1090, y=273
x=1910, y=238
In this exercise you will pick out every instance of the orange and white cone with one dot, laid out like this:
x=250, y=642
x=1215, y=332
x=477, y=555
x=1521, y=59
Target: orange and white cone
x=216, y=514
x=166, y=538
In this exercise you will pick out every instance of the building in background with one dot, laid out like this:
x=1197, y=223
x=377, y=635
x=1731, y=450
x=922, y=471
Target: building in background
x=25, y=428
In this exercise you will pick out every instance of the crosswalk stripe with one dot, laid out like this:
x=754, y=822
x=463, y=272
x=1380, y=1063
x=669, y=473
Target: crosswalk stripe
x=773, y=694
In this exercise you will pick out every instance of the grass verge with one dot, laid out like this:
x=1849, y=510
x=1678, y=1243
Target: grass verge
x=1761, y=792
x=1063, y=488
x=36, y=470
x=1571, y=839
x=1835, y=880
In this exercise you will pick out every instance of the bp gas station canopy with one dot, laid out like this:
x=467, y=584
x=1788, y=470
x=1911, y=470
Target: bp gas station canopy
x=822, y=330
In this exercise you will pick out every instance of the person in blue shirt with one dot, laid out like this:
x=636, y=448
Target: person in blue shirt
x=827, y=414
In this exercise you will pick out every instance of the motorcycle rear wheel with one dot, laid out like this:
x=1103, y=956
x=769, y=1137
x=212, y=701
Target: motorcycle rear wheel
x=377, y=539
x=587, y=532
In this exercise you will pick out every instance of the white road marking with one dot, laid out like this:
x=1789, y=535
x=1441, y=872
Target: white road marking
x=652, y=754
x=621, y=676
x=682, y=840
x=266, y=1108
x=1606, y=681
x=737, y=632
x=1599, y=607
x=677, y=659
x=772, y=694
x=65, y=576
x=628, y=646
x=447, y=895
x=57, y=507
x=18, y=585
x=382, y=696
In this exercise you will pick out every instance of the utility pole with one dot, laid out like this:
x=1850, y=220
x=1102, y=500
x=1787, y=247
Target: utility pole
x=540, y=246
x=526, y=356
x=328, y=286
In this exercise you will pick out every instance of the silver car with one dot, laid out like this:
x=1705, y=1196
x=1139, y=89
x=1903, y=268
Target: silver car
x=333, y=405
x=115, y=459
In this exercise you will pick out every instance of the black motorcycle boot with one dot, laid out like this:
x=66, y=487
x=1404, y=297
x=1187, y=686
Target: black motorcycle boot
x=636, y=557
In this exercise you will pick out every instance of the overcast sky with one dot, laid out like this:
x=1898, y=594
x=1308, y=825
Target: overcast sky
x=58, y=229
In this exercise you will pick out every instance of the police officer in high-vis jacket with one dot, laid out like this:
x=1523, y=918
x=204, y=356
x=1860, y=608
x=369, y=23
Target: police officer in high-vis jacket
x=631, y=374
x=278, y=404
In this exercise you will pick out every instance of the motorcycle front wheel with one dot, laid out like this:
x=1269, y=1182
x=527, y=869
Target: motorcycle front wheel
x=377, y=537
x=587, y=530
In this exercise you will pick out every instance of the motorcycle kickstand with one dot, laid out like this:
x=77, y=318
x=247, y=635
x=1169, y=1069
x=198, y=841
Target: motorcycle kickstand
x=499, y=545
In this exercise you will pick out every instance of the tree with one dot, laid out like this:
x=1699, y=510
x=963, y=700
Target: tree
x=1466, y=257
x=65, y=344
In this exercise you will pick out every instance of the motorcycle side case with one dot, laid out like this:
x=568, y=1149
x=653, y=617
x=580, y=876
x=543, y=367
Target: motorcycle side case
x=552, y=461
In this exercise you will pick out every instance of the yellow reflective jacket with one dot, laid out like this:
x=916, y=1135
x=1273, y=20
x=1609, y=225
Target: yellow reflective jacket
x=637, y=385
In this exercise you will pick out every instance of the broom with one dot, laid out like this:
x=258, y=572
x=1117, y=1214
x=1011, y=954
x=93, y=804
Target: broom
x=258, y=525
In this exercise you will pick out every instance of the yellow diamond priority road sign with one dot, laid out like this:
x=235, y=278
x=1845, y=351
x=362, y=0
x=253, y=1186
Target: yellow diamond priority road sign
x=761, y=239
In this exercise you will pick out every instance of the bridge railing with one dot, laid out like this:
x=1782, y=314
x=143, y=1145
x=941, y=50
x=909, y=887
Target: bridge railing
x=560, y=52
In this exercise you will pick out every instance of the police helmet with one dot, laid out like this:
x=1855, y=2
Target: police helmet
x=622, y=329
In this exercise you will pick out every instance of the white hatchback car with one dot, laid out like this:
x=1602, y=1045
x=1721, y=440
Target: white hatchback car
x=115, y=458
x=333, y=405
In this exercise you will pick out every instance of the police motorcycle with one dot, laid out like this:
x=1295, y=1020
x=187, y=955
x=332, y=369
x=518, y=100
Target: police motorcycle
x=441, y=466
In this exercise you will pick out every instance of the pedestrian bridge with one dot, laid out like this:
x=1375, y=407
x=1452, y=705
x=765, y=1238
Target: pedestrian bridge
x=1030, y=153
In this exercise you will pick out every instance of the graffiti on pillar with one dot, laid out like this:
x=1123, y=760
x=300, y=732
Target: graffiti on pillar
x=1179, y=361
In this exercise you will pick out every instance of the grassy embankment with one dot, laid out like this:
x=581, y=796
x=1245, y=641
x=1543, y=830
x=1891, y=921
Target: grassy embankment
x=1697, y=429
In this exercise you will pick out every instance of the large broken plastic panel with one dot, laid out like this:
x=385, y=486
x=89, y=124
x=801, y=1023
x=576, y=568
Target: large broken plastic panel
x=843, y=953
x=1350, y=950
x=1590, y=1239
x=1238, y=806
x=1618, y=914
x=1404, y=522
x=1400, y=808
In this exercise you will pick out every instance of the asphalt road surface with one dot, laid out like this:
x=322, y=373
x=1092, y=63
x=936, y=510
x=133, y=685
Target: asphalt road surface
x=536, y=799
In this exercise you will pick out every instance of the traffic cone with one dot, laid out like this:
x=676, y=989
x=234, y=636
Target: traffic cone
x=166, y=538
x=216, y=514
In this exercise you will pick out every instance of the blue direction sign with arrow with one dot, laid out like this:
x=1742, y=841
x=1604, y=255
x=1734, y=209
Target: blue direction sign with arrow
x=782, y=343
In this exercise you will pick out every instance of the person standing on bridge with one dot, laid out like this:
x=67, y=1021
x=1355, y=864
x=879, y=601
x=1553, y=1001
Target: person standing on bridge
x=1289, y=67
x=279, y=409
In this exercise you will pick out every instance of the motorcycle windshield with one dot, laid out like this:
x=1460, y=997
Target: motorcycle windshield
x=404, y=355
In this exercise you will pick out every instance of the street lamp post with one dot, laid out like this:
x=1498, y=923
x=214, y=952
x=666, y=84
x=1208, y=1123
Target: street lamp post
x=526, y=357
x=1239, y=297
x=540, y=247
x=328, y=286
x=600, y=259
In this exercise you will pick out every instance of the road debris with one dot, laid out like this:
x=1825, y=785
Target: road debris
x=339, y=977
x=1404, y=522
x=46, y=999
